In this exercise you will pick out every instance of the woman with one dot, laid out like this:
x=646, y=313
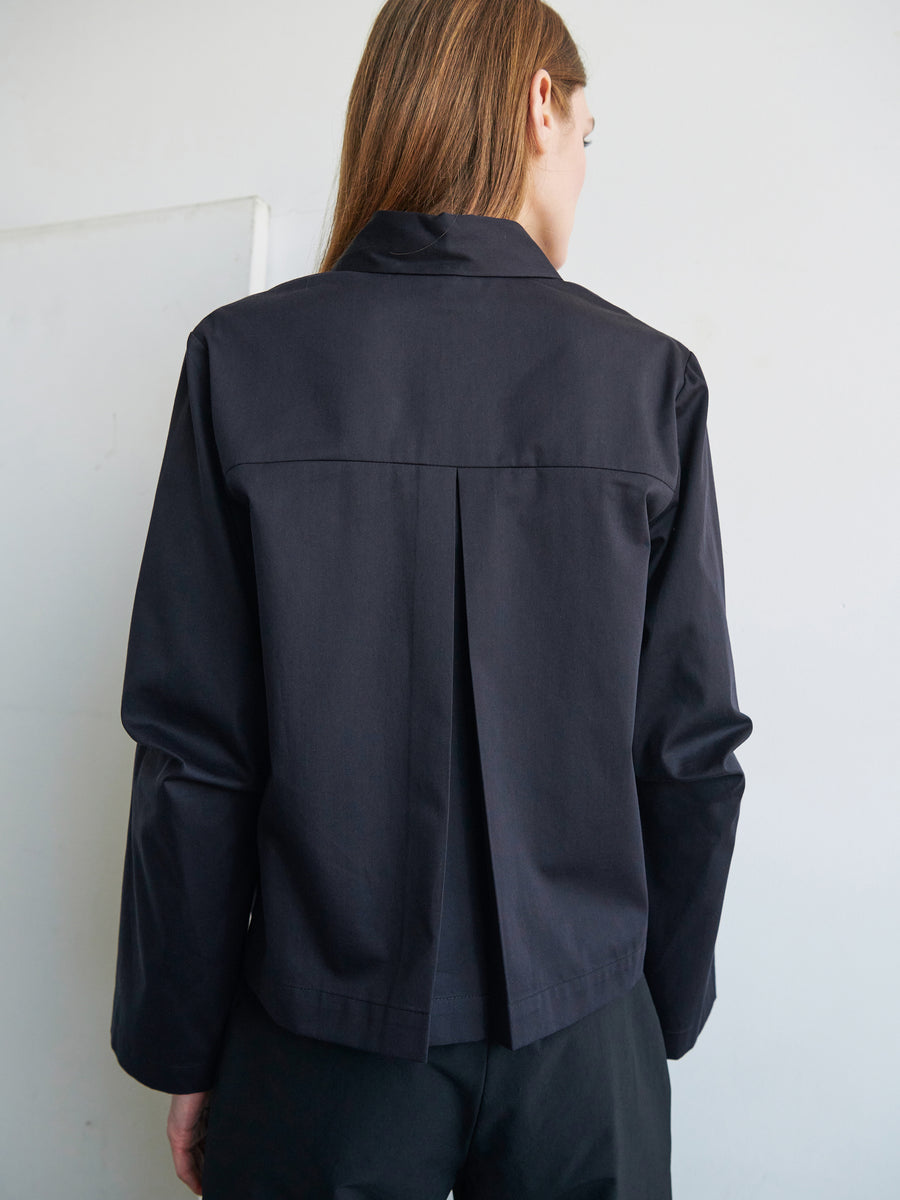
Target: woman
x=430, y=678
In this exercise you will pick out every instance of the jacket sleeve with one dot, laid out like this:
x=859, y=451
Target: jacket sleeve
x=193, y=701
x=687, y=727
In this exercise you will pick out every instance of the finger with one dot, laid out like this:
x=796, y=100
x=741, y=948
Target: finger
x=187, y=1170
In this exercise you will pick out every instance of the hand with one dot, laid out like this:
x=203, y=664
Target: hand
x=186, y=1130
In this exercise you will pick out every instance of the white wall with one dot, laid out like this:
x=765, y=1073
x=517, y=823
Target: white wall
x=742, y=194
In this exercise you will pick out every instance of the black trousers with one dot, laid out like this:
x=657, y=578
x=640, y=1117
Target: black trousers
x=582, y=1114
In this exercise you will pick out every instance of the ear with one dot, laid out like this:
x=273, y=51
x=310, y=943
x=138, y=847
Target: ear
x=540, y=113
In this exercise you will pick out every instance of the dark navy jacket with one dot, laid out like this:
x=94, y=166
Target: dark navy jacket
x=438, y=479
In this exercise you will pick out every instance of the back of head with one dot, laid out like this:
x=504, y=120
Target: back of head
x=437, y=114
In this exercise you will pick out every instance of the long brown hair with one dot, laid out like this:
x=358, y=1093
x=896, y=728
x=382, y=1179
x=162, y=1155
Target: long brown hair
x=437, y=114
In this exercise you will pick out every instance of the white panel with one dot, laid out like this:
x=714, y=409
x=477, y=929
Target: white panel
x=95, y=316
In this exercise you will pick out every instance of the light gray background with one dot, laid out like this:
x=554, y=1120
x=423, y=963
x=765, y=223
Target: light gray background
x=741, y=194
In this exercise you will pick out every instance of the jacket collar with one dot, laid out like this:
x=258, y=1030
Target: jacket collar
x=444, y=244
